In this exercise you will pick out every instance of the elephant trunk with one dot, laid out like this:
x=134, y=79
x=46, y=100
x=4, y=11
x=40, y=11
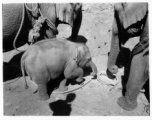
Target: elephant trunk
x=93, y=67
x=114, y=51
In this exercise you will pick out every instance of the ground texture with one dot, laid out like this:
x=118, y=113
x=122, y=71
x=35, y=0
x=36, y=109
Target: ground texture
x=94, y=99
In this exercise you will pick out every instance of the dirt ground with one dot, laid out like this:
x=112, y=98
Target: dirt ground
x=94, y=99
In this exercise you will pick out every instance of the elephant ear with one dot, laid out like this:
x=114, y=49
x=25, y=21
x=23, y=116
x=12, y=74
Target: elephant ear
x=79, y=55
x=133, y=13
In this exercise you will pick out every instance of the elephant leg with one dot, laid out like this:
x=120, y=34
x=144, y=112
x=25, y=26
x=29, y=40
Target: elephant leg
x=42, y=87
x=114, y=51
x=137, y=78
x=76, y=26
x=73, y=71
x=43, y=92
x=63, y=86
x=78, y=74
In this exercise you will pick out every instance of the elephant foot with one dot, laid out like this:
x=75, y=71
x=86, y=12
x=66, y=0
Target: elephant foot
x=63, y=88
x=79, y=80
x=126, y=104
x=43, y=97
x=110, y=75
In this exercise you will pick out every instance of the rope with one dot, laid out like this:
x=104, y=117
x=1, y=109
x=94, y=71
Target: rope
x=31, y=10
x=34, y=33
x=19, y=30
x=74, y=89
x=49, y=23
x=22, y=21
x=83, y=84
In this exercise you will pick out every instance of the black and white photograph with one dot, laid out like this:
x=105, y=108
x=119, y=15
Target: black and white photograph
x=75, y=59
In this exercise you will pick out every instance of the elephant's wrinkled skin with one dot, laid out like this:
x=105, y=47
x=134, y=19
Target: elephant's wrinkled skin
x=130, y=20
x=12, y=15
x=46, y=60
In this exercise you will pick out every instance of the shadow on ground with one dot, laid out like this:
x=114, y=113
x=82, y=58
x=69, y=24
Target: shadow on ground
x=12, y=69
x=81, y=39
x=62, y=107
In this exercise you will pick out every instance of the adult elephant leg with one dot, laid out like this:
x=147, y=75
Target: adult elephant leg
x=76, y=25
x=114, y=51
x=137, y=78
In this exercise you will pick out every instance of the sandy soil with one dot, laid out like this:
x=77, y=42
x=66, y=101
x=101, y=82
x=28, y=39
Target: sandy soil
x=94, y=99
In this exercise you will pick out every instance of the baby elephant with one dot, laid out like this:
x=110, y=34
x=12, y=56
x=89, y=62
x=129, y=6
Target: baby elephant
x=47, y=59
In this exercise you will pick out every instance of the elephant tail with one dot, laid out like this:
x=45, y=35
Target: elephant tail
x=23, y=72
